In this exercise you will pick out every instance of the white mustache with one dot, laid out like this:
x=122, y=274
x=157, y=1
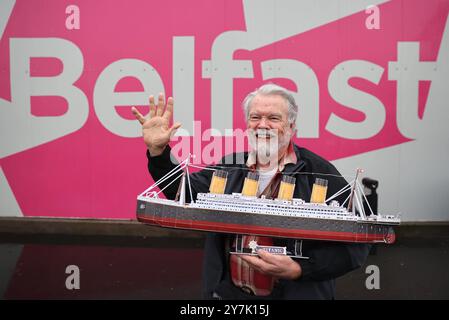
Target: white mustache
x=264, y=133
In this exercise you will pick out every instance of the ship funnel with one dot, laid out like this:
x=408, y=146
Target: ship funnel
x=287, y=188
x=218, y=183
x=319, y=191
x=251, y=185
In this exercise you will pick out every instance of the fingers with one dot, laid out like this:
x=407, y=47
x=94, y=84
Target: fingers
x=279, y=261
x=275, y=265
x=253, y=261
x=268, y=257
x=264, y=261
x=158, y=110
x=262, y=256
x=160, y=105
x=152, y=107
x=169, y=110
x=138, y=115
x=174, y=128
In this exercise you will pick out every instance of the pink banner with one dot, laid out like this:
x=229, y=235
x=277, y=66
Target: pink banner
x=71, y=70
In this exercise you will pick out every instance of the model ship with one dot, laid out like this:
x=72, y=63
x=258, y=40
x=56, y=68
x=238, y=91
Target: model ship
x=285, y=216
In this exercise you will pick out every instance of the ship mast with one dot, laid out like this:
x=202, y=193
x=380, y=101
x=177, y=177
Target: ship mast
x=182, y=186
x=182, y=191
x=351, y=196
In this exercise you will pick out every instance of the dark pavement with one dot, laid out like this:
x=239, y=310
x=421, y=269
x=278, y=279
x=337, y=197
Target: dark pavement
x=111, y=267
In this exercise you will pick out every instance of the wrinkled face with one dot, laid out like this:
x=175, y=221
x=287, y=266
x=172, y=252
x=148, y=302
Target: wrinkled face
x=269, y=129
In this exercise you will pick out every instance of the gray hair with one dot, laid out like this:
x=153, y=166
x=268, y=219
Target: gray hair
x=273, y=90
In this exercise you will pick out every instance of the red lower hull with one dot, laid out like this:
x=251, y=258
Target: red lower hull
x=269, y=231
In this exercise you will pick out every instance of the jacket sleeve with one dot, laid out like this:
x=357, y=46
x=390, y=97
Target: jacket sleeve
x=159, y=166
x=330, y=260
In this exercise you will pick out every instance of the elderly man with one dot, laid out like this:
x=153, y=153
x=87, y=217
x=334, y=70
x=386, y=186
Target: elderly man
x=271, y=114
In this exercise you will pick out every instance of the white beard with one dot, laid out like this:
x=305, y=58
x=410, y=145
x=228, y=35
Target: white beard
x=267, y=150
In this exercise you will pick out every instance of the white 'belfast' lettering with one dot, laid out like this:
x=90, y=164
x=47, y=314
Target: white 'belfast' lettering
x=307, y=94
x=343, y=93
x=408, y=71
x=105, y=99
x=31, y=131
x=16, y=119
x=23, y=86
x=184, y=81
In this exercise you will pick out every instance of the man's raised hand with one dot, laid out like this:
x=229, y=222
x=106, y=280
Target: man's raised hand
x=155, y=126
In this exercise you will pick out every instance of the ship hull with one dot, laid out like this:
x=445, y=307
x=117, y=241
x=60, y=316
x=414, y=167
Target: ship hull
x=193, y=218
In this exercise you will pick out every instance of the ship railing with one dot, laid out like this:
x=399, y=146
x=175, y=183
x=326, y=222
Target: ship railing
x=309, y=210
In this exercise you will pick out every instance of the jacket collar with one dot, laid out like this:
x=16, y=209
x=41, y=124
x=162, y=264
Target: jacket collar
x=299, y=165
